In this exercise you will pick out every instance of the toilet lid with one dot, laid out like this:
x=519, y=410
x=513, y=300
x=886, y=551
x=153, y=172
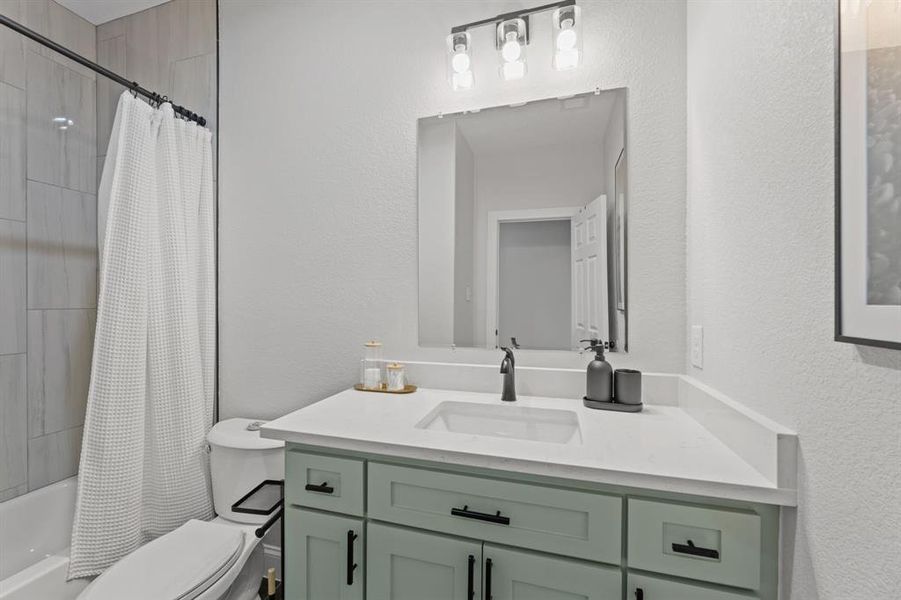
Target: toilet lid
x=180, y=565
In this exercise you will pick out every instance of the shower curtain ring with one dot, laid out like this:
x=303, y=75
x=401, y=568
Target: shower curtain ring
x=134, y=89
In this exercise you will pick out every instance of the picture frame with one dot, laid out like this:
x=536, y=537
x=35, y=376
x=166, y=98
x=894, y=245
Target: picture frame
x=867, y=175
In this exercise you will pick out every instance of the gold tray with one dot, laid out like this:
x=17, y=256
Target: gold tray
x=408, y=389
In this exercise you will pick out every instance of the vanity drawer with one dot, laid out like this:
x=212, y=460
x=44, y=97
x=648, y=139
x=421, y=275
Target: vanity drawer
x=325, y=482
x=642, y=587
x=716, y=545
x=561, y=521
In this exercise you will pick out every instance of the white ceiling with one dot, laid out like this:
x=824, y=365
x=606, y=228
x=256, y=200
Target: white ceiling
x=101, y=11
x=575, y=121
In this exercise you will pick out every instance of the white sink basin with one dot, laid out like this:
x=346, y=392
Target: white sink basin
x=505, y=421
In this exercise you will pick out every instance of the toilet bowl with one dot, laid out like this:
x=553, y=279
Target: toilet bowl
x=220, y=559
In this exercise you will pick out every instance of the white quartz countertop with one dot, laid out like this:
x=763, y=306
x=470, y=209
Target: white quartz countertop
x=661, y=448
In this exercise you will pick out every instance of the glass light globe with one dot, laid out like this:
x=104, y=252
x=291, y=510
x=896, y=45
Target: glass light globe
x=513, y=70
x=566, y=39
x=462, y=81
x=460, y=62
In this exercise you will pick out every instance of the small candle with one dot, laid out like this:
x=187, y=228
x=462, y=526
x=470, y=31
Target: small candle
x=396, y=382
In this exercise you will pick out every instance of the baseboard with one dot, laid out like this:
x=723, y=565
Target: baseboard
x=272, y=559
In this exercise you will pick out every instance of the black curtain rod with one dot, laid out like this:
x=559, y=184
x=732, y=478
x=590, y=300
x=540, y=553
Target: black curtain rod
x=131, y=85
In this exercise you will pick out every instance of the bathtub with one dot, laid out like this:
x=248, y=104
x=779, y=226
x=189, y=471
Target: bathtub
x=34, y=538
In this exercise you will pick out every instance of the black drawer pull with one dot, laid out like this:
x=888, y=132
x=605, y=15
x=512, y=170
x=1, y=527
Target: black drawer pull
x=471, y=514
x=693, y=550
x=639, y=594
x=470, y=585
x=351, y=565
x=488, y=565
x=323, y=488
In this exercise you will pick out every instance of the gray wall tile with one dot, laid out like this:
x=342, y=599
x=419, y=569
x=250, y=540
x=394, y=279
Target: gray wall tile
x=12, y=57
x=60, y=343
x=110, y=54
x=53, y=457
x=194, y=85
x=13, y=429
x=12, y=286
x=142, y=52
x=64, y=27
x=12, y=152
x=111, y=29
x=57, y=155
x=62, y=248
x=10, y=493
x=186, y=28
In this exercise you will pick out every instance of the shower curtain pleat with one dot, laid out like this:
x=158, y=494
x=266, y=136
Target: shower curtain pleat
x=144, y=468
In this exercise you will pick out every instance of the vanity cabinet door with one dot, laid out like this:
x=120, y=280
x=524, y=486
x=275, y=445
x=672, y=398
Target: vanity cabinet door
x=408, y=565
x=519, y=575
x=324, y=556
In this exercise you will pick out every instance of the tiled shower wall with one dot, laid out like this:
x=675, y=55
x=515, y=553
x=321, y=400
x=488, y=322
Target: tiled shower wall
x=48, y=206
x=48, y=245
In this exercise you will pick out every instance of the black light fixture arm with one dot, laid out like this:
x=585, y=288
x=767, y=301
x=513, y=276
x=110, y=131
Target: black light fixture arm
x=131, y=85
x=512, y=15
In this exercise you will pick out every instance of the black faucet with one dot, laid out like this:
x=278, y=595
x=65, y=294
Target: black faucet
x=507, y=365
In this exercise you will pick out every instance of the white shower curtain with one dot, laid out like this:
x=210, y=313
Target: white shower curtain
x=143, y=462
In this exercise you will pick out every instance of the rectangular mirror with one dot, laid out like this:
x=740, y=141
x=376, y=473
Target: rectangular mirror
x=522, y=225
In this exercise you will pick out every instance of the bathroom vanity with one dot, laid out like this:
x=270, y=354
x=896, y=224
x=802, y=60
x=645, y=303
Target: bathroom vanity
x=447, y=494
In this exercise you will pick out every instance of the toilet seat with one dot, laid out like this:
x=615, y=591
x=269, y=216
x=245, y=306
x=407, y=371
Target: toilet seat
x=180, y=565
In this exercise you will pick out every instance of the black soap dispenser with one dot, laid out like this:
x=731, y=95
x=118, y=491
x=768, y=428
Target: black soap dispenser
x=599, y=391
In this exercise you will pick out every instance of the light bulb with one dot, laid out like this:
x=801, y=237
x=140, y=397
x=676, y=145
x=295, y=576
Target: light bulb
x=511, y=50
x=460, y=62
x=566, y=39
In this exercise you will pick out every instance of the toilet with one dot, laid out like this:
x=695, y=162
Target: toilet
x=220, y=559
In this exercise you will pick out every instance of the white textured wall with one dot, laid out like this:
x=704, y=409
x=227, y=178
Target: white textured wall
x=318, y=218
x=760, y=262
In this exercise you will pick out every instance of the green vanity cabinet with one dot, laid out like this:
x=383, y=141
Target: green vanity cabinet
x=430, y=531
x=324, y=556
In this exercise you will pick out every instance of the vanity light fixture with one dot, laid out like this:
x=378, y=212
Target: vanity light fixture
x=511, y=38
x=567, y=33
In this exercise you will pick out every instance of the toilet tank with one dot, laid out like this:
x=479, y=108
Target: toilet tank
x=239, y=460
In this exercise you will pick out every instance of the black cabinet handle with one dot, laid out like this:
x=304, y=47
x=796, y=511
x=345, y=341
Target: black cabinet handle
x=471, y=514
x=692, y=550
x=351, y=565
x=470, y=585
x=323, y=488
x=639, y=594
x=488, y=565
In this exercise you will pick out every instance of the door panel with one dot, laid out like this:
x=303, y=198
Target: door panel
x=589, y=241
x=520, y=575
x=317, y=547
x=409, y=565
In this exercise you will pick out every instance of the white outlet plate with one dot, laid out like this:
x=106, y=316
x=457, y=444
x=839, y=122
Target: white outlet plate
x=697, y=346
